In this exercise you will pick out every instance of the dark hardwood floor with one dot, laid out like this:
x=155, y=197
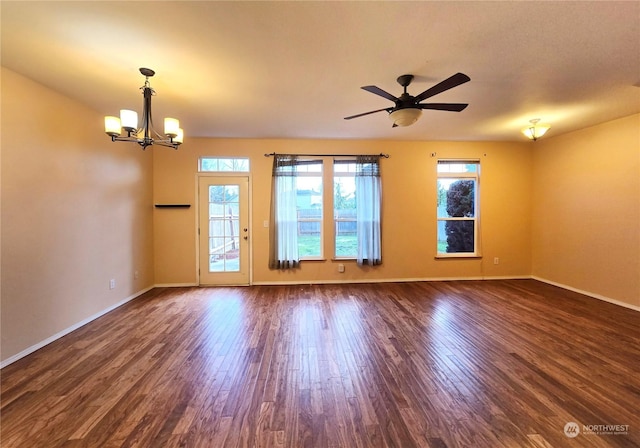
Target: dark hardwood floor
x=430, y=364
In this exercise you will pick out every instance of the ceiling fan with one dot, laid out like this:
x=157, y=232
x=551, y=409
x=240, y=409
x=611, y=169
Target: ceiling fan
x=408, y=108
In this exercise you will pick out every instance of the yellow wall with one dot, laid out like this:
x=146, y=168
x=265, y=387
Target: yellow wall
x=586, y=210
x=409, y=198
x=76, y=212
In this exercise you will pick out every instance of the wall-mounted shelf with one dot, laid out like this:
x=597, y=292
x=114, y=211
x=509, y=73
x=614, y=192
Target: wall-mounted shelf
x=173, y=205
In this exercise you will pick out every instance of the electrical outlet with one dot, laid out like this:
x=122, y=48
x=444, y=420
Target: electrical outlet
x=112, y=283
x=136, y=275
x=496, y=260
x=340, y=267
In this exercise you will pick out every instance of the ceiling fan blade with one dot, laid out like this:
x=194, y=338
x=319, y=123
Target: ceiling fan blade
x=452, y=107
x=367, y=113
x=449, y=83
x=379, y=91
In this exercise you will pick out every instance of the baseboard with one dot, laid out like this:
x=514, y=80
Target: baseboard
x=587, y=293
x=66, y=331
x=389, y=280
x=174, y=285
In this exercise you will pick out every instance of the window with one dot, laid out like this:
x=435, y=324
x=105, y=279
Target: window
x=223, y=164
x=344, y=209
x=297, y=218
x=309, y=208
x=458, y=211
x=356, y=209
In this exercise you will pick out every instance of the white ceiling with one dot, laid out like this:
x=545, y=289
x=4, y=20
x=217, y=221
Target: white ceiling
x=294, y=69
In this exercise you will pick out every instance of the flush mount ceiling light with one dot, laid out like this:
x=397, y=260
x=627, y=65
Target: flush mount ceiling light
x=145, y=135
x=536, y=129
x=405, y=117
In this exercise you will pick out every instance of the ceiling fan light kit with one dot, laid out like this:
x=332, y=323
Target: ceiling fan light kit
x=536, y=129
x=405, y=117
x=408, y=108
x=146, y=135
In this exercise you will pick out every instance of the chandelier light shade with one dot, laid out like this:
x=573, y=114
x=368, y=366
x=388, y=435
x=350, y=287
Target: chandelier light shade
x=536, y=129
x=145, y=135
x=405, y=117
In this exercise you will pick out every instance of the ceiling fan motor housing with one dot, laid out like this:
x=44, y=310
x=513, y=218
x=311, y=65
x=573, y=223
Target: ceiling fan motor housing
x=405, y=101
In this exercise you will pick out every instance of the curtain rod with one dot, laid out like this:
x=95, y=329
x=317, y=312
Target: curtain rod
x=386, y=156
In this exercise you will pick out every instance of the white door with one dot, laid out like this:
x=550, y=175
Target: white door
x=224, y=230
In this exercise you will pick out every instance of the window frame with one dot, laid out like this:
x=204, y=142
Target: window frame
x=467, y=175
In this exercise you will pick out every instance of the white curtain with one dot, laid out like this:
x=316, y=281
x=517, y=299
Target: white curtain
x=283, y=229
x=368, y=201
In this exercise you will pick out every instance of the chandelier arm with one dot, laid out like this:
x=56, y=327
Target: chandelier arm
x=166, y=143
x=125, y=139
x=169, y=143
x=159, y=136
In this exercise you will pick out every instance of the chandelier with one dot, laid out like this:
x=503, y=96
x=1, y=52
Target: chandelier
x=145, y=135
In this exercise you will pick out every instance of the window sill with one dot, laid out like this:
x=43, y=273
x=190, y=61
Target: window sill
x=458, y=257
x=313, y=259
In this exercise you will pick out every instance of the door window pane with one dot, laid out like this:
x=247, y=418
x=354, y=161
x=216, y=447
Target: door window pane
x=224, y=228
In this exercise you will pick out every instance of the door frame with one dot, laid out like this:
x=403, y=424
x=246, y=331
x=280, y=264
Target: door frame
x=218, y=175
